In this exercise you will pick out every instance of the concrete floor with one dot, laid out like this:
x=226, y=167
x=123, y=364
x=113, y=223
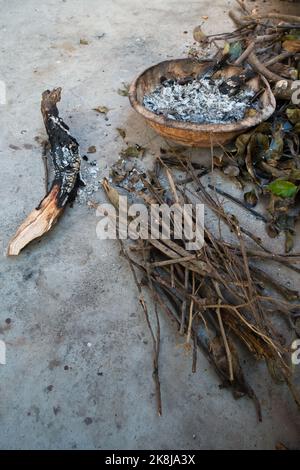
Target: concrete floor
x=78, y=372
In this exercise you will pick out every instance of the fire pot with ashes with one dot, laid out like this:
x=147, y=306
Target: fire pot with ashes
x=191, y=133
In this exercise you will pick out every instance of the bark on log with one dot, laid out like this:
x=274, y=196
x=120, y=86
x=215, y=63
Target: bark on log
x=66, y=162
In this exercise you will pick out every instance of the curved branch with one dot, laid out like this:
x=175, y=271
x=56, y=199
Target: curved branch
x=259, y=67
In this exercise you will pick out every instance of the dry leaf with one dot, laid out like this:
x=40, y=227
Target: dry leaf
x=84, y=42
x=231, y=170
x=226, y=48
x=122, y=132
x=251, y=112
x=111, y=192
x=101, y=109
x=251, y=198
x=134, y=151
x=198, y=35
x=291, y=46
x=92, y=149
x=218, y=161
x=125, y=90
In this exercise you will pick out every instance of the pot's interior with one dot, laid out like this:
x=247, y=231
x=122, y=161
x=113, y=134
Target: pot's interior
x=181, y=68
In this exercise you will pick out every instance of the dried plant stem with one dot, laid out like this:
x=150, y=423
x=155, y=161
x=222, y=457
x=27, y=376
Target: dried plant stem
x=240, y=203
x=173, y=261
x=155, y=340
x=194, y=364
x=189, y=331
x=226, y=345
x=184, y=303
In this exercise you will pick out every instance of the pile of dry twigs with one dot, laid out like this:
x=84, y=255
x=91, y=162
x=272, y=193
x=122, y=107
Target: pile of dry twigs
x=216, y=295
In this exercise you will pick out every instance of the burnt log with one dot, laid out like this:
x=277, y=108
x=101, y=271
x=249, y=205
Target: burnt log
x=66, y=163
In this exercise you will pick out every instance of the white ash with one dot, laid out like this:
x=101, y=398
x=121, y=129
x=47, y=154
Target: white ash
x=90, y=173
x=199, y=101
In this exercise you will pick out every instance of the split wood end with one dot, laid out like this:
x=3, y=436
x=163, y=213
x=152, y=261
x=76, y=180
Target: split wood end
x=37, y=223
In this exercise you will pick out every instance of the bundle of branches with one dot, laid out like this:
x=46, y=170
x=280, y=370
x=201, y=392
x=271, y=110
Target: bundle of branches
x=215, y=295
x=269, y=44
x=268, y=156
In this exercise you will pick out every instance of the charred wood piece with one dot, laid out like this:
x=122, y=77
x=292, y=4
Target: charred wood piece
x=234, y=84
x=215, y=67
x=66, y=162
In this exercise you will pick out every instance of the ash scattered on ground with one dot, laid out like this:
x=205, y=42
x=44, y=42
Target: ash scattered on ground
x=199, y=101
x=90, y=174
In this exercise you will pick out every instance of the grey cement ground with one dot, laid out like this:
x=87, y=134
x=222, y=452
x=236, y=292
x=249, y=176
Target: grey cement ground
x=78, y=372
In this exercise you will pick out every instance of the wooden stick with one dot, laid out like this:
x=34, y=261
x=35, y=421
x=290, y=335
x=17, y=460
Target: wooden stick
x=240, y=203
x=243, y=6
x=189, y=331
x=238, y=20
x=227, y=349
x=184, y=303
x=277, y=16
x=172, y=261
x=278, y=58
x=266, y=37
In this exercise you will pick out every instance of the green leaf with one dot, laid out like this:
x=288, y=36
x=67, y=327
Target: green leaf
x=283, y=188
x=235, y=50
